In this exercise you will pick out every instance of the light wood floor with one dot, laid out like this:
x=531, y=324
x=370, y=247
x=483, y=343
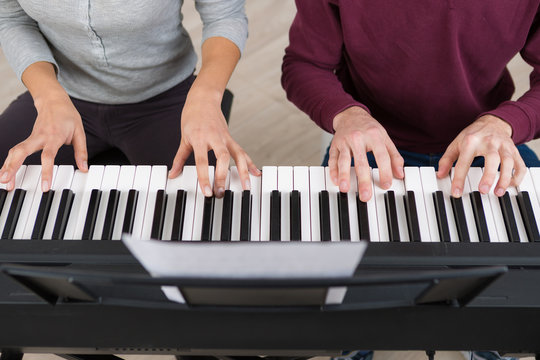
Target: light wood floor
x=269, y=128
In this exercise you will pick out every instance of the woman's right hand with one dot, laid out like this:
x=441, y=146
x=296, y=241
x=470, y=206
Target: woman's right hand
x=57, y=123
x=357, y=133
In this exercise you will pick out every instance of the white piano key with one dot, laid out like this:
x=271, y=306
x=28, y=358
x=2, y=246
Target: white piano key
x=199, y=206
x=92, y=181
x=109, y=182
x=158, y=181
x=62, y=180
x=235, y=185
x=78, y=185
x=316, y=185
x=285, y=186
x=31, y=185
x=467, y=207
x=535, y=175
x=378, y=195
x=268, y=184
x=495, y=227
x=18, y=182
x=125, y=183
x=527, y=184
x=301, y=183
x=141, y=183
x=171, y=189
x=190, y=182
x=497, y=213
x=398, y=186
x=429, y=186
x=218, y=212
x=413, y=182
x=255, y=207
x=445, y=185
x=512, y=191
x=333, y=191
x=353, y=212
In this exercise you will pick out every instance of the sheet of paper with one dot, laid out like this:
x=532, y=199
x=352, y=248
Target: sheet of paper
x=271, y=260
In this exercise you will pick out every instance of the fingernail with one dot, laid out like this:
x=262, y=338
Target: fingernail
x=220, y=191
x=85, y=165
x=456, y=193
x=45, y=186
x=343, y=185
x=386, y=185
x=499, y=192
x=364, y=195
x=5, y=177
x=247, y=185
x=484, y=189
x=10, y=186
x=207, y=191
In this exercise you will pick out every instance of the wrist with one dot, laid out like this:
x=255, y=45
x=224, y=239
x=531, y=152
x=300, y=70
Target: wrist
x=350, y=112
x=50, y=97
x=501, y=124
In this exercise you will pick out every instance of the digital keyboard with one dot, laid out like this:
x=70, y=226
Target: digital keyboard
x=416, y=220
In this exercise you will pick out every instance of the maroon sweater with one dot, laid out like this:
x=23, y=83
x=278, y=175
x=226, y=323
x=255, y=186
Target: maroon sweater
x=424, y=69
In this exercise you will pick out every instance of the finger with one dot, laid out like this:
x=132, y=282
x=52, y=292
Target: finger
x=180, y=159
x=253, y=169
x=79, y=149
x=333, y=163
x=201, y=161
x=241, y=161
x=491, y=166
x=47, y=165
x=344, y=170
x=519, y=169
x=447, y=160
x=460, y=172
x=222, y=166
x=363, y=176
x=384, y=164
x=396, y=160
x=506, y=169
x=15, y=159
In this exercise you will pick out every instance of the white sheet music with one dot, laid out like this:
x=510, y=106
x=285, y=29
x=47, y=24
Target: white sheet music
x=272, y=260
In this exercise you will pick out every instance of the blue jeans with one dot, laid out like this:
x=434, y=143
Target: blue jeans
x=432, y=159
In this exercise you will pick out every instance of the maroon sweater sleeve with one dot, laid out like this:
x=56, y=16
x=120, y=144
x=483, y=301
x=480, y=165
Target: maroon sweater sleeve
x=524, y=114
x=308, y=71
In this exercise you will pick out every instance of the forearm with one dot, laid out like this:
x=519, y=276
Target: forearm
x=40, y=80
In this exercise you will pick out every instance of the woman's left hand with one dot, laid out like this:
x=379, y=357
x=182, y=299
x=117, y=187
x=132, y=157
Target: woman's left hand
x=490, y=137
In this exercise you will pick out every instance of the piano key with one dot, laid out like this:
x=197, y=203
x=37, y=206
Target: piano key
x=429, y=188
x=179, y=215
x=512, y=192
x=159, y=215
x=172, y=191
x=413, y=182
x=85, y=183
x=13, y=213
x=316, y=185
x=412, y=216
x=218, y=212
x=461, y=220
x=3, y=195
x=77, y=187
x=324, y=216
x=9, y=197
x=398, y=187
x=199, y=207
x=527, y=184
x=352, y=195
x=343, y=214
x=285, y=186
x=235, y=184
x=226, y=218
x=255, y=207
x=62, y=180
x=442, y=216
x=301, y=184
x=268, y=184
x=295, y=218
x=494, y=220
x=363, y=219
x=158, y=181
x=62, y=217
x=208, y=217
x=91, y=214
x=445, y=185
x=109, y=182
x=141, y=184
x=42, y=215
x=378, y=194
x=527, y=214
x=245, y=221
x=31, y=185
x=509, y=219
x=392, y=216
x=110, y=215
x=129, y=216
x=472, y=230
x=479, y=216
x=189, y=183
x=333, y=190
x=124, y=186
x=275, y=216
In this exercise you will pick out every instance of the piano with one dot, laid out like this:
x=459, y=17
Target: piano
x=414, y=226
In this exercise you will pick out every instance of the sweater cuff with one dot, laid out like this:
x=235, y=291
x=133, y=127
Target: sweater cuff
x=517, y=117
x=334, y=106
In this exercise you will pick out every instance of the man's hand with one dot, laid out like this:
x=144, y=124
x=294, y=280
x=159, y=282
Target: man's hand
x=490, y=137
x=357, y=133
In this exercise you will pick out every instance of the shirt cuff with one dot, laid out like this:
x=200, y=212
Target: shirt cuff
x=518, y=118
x=334, y=106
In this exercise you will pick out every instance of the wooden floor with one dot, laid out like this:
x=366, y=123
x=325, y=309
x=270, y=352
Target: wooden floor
x=269, y=128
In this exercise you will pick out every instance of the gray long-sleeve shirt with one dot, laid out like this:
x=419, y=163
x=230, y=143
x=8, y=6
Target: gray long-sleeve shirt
x=115, y=51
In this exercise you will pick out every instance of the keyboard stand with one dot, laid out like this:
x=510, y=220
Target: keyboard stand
x=68, y=287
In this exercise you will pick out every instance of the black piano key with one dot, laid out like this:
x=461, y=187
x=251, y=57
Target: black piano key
x=391, y=215
x=245, y=216
x=275, y=216
x=91, y=215
x=159, y=215
x=178, y=217
x=110, y=215
x=363, y=219
x=509, y=219
x=479, y=216
x=461, y=219
x=131, y=206
x=13, y=214
x=295, y=216
x=42, y=215
x=208, y=218
x=527, y=214
x=226, y=216
x=412, y=216
x=3, y=195
x=64, y=210
x=324, y=216
x=442, y=219
x=343, y=215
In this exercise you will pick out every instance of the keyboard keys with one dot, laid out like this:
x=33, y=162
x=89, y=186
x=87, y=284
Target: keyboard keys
x=275, y=215
x=179, y=215
x=295, y=218
x=128, y=196
x=324, y=216
x=301, y=184
x=343, y=214
x=208, y=217
x=227, y=214
x=159, y=215
x=316, y=185
x=64, y=211
x=245, y=221
x=412, y=216
x=474, y=176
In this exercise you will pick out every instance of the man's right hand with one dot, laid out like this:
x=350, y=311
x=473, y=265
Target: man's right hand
x=357, y=133
x=57, y=123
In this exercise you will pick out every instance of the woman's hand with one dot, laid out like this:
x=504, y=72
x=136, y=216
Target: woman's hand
x=490, y=137
x=357, y=133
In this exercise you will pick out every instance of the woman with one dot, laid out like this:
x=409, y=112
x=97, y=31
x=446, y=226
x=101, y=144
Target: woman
x=120, y=74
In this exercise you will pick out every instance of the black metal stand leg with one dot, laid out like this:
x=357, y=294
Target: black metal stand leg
x=11, y=355
x=537, y=356
x=88, y=357
x=430, y=354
